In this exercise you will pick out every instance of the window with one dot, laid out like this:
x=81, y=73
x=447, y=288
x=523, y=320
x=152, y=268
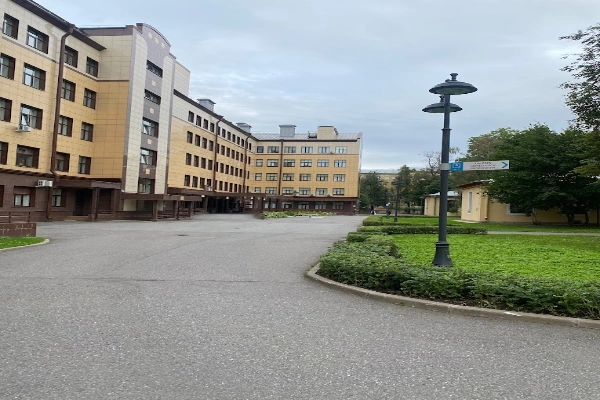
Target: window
x=258, y=177
x=205, y=124
x=321, y=191
x=212, y=127
x=57, y=198
x=339, y=163
x=271, y=177
x=271, y=190
x=61, y=162
x=305, y=177
x=3, y=152
x=10, y=26
x=71, y=56
x=87, y=131
x=37, y=40
x=338, y=206
x=203, y=163
x=85, y=165
x=202, y=182
x=341, y=150
x=150, y=128
x=190, y=137
x=228, y=134
x=322, y=177
x=210, y=164
x=196, y=161
x=306, y=149
x=204, y=143
x=22, y=197
x=155, y=69
x=470, y=203
x=145, y=185
x=5, y=109
x=27, y=156
x=287, y=177
x=65, y=126
x=89, y=98
x=186, y=180
x=147, y=157
x=34, y=77
x=324, y=149
x=256, y=190
x=320, y=205
x=259, y=162
x=68, y=90
x=195, y=181
x=210, y=145
x=289, y=163
x=260, y=149
x=31, y=116
x=91, y=67
x=306, y=163
x=188, y=159
x=339, y=177
x=191, y=117
x=148, y=95
x=304, y=191
x=289, y=149
x=338, y=191
x=273, y=149
x=7, y=67
x=197, y=140
x=198, y=120
x=303, y=205
x=322, y=163
x=272, y=163
x=287, y=190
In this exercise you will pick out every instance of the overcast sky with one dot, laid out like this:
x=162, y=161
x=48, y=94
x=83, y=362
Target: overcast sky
x=365, y=65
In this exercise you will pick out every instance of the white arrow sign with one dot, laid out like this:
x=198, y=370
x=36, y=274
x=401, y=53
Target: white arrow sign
x=485, y=165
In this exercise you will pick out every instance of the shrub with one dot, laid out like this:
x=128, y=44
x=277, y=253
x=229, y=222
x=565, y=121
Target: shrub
x=422, y=229
x=373, y=264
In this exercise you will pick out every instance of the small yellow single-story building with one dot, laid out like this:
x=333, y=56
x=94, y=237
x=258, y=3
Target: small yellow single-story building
x=432, y=204
x=479, y=207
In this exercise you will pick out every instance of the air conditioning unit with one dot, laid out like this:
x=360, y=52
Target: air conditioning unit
x=312, y=194
x=23, y=128
x=44, y=183
x=329, y=195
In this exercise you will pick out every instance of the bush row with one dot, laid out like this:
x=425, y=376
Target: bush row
x=422, y=229
x=285, y=214
x=373, y=264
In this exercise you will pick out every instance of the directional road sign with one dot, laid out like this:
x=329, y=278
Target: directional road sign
x=479, y=165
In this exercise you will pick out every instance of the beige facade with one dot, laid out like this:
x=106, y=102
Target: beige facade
x=478, y=207
x=431, y=204
x=129, y=141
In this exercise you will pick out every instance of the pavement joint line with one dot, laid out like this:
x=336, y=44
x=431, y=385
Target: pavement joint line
x=453, y=308
x=27, y=245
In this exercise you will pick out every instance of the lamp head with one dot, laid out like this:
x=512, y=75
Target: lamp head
x=453, y=87
x=438, y=108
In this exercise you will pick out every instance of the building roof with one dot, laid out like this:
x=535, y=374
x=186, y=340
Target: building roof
x=450, y=194
x=305, y=136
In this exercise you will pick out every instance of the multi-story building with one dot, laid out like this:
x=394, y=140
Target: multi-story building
x=98, y=123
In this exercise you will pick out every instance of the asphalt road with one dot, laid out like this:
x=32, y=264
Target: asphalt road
x=218, y=308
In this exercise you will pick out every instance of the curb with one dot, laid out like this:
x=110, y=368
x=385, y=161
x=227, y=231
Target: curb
x=453, y=308
x=27, y=245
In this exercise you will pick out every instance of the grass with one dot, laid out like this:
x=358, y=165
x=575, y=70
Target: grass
x=491, y=226
x=8, y=242
x=573, y=258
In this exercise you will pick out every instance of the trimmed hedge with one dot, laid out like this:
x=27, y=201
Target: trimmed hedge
x=285, y=214
x=422, y=229
x=374, y=264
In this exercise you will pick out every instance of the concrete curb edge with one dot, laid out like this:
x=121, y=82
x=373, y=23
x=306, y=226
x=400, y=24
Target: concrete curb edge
x=453, y=308
x=27, y=245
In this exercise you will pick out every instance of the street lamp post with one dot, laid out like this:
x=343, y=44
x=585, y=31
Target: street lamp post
x=397, y=184
x=445, y=90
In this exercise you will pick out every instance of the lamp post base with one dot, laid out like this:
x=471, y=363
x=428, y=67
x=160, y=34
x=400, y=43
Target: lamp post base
x=442, y=255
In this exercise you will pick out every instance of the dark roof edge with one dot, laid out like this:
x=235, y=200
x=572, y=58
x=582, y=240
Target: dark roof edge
x=57, y=21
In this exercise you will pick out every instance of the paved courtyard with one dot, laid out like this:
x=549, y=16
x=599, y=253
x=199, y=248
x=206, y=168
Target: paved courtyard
x=218, y=308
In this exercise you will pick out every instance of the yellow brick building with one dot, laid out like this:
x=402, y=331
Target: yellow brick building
x=97, y=123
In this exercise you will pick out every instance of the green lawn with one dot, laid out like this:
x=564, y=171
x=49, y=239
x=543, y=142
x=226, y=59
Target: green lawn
x=575, y=258
x=491, y=226
x=7, y=242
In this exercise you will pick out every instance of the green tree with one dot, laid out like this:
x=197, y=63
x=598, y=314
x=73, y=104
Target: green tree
x=372, y=191
x=541, y=175
x=583, y=97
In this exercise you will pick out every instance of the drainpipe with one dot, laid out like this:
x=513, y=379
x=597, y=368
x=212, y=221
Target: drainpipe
x=215, y=153
x=61, y=68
